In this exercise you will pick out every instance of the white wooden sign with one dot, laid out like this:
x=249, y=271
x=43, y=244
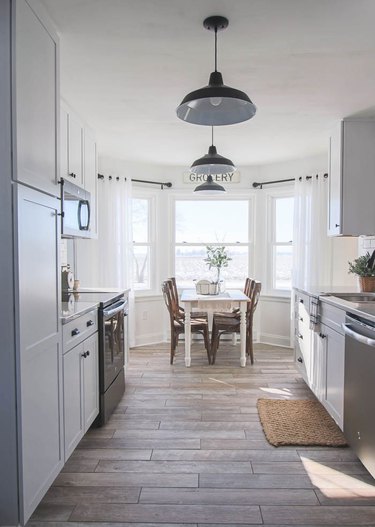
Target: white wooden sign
x=229, y=177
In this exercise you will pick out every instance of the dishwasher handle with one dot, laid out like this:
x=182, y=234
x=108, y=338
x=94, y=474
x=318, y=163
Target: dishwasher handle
x=348, y=330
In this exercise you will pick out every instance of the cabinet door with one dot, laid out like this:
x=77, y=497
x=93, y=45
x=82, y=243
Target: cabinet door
x=64, y=123
x=36, y=101
x=335, y=182
x=90, y=380
x=333, y=387
x=40, y=382
x=91, y=178
x=73, y=397
x=75, y=150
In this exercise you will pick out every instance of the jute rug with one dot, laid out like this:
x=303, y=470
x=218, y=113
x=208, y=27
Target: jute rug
x=298, y=422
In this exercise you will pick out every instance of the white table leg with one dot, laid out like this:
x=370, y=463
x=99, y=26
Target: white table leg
x=234, y=339
x=187, y=335
x=243, y=333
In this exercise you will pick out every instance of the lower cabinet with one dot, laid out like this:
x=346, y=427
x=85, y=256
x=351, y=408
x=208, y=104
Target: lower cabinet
x=332, y=373
x=81, y=391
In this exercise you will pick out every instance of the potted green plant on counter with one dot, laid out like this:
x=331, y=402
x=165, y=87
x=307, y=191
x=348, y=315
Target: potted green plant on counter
x=364, y=268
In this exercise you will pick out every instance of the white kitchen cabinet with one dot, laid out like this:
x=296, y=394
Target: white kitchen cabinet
x=71, y=145
x=332, y=372
x=352, y=178
x=36, y=100
x=40, y=366
x=81, y=391
x=91, y=178
x=303, y=336
x=78, y=158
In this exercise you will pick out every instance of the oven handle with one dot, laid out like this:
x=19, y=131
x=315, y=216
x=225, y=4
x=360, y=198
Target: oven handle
x=357, y=336
x=114, y=309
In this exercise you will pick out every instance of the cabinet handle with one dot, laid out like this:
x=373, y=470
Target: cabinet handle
x=84, y=355
x=300, y=336
x=87, y=353
x=337, y=225
x=72, y=174
x=301, y=301
x=75, y=332
x=321, y=335
x=300, y=359
x=89, y=323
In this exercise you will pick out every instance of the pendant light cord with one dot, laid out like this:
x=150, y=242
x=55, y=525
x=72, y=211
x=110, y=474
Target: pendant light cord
x=212, y=135
x=215, y=48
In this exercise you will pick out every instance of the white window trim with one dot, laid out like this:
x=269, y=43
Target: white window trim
x=270, y=197
x=152, y=195
x=250, y=197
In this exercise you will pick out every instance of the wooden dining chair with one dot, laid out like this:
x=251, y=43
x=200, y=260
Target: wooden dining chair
x=193, y=314
x=230, y=322
x=177, y=322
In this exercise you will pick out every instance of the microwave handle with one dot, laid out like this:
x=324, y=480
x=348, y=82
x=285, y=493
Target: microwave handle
x=87, y=203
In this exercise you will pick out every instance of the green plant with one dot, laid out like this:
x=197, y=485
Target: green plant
x=217, y=257
x=360, y=266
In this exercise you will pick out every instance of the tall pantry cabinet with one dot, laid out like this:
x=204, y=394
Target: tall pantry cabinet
x=29, y=146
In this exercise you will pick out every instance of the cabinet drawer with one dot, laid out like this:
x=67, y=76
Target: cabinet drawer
x=331, y=316
x=79, y=329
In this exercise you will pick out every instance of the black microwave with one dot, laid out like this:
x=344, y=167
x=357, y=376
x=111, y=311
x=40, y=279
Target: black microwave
x=75, y=211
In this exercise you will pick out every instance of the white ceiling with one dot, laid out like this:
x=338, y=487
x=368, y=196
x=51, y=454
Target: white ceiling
x=127, y=64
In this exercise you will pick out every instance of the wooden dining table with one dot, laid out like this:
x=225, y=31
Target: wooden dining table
x=232, y=298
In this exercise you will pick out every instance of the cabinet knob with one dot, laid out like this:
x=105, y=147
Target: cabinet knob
x=301, y=319
x=84, y=355
x=89, y=323
x=87, y=353
x=300, y=359
x=72, y=174
x=301, y=301
x=75, y=332
x=300, y=336
x=337, y=225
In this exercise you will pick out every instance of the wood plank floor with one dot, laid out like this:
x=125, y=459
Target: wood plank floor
x=185, y=449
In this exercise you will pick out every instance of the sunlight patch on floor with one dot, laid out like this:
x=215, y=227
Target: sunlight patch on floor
x=336, y=484
x=277, y=391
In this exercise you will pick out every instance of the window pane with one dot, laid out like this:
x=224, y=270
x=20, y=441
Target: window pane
x=284, y=209
x=140, y=212
x=190, y=266
x=141, y=267
x=212, y=221
x=282, y=267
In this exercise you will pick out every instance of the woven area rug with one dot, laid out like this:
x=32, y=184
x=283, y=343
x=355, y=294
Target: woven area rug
x=298, y=422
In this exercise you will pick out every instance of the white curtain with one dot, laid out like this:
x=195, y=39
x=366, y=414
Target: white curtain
x=311, y=245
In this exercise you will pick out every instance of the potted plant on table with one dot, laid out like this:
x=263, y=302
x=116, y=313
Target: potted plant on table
x=364, y=268
x=217, y=257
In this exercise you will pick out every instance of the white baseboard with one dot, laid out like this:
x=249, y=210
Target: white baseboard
x=274, y=340
x=149, y=339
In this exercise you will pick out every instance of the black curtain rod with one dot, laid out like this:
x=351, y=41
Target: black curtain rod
x=162, y=185
x=260, y=185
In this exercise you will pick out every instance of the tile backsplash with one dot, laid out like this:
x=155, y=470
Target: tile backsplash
x=366, y=244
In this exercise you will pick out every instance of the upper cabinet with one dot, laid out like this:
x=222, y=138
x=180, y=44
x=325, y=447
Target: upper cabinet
x=36, y=101
x=351, y=210
x=78, y=159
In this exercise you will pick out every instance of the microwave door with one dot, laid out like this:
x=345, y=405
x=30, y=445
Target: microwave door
x=71, y=218
x=84, y=215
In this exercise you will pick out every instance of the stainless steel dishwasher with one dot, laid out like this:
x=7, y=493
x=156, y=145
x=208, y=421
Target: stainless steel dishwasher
x=359, y=400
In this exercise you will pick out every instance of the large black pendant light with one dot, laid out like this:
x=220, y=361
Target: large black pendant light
x=216, y=104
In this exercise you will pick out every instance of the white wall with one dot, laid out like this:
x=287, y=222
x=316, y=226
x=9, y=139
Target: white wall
x=272, y=320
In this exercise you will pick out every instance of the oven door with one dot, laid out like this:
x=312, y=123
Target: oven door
x=113, y=340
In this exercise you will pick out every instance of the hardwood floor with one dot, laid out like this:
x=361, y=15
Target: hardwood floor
x=185, y=449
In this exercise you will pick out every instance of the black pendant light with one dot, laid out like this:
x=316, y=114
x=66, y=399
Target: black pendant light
x=216, y=104
x=212, y=163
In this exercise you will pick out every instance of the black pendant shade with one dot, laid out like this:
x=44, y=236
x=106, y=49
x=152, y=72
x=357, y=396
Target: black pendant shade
x=209, y=187
x=216, y=104
x=212, y=164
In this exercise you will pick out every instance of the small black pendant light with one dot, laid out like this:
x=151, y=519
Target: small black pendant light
x=216, y=104
x=212, y=163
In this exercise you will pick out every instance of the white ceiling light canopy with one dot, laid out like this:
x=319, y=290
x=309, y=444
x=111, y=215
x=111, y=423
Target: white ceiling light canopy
x=216, y=104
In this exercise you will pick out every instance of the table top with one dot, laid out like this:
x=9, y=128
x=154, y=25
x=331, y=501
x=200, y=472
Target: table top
x=231, y=295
